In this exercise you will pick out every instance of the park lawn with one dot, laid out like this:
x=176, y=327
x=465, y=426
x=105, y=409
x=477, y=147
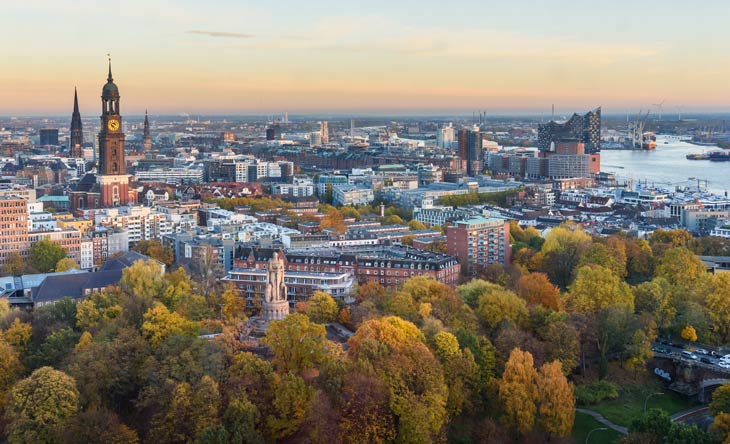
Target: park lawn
x=584, y=424
x=630, y=403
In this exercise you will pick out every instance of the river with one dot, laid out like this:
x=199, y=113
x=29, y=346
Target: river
x=667, y=166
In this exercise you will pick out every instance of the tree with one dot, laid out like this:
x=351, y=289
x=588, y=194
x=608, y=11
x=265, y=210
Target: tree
x=10, y=369
x=498, y=305
x=40, y=403
x=366, y=415
x=721, y=426
x=518, y=392
x=393, y=219
x=333, y=220
x=322, y=308
x=680, y=266
x=66, y=264
x=96, y=426
x=536, y=288
x=415, y=225
x=206, y=270
x=394, y=350
x=298, y=344
x=655, y=297
x=718, y=305
x=45, y=254
x=596, y=288
x=160, y=324
x=233, y=304
x=556, y=399
x=143, y=279
x=18, y=335
x=472, y=290
x=155, y=250
x=562, y=251
x=600, y=254
x=290, y=405
x=242, y=419
x=689, y=333
x=720, y=400
x=14, y=265
x=562, y=343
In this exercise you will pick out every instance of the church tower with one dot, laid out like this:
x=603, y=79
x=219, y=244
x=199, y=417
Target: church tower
x=76, y=139
x=112, y=177
x=147, y=140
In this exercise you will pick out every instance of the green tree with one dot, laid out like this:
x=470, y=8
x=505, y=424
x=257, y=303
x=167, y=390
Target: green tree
x=600, y=254
x=45, y=254
x=393, y=219
x=498, y=305
x=292, y=398
x=96, y=426
x=563, y=248
x=298, y=344
x=720, y=400
x=66, y=264
x=655, y=297
x=40, y=403
x=242, y=421
x=322, y=308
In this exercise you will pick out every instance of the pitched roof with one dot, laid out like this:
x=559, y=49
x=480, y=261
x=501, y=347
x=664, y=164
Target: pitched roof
x=54, y=288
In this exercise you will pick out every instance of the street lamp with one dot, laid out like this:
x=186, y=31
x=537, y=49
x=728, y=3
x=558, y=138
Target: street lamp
x=594, y=430
x=647, y=399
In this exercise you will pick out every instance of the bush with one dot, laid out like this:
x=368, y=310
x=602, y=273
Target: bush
x=596, y=392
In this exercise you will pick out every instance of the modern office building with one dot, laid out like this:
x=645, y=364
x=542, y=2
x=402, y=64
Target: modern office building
x=49, y=136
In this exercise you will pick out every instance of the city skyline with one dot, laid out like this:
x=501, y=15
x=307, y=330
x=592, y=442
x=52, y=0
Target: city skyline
x=228, y=58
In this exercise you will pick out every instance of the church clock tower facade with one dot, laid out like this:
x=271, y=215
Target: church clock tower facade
x=112, y=176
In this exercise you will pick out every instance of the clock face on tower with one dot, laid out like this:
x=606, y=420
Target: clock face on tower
x=113, y=124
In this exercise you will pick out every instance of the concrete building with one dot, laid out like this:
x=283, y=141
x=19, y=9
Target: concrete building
x=479, y=242
x=301, y=186
x=351, y=195
x=140, y=223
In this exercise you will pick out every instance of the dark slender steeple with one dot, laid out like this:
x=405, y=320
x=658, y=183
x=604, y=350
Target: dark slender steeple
x=76, y=139
x=147, y=139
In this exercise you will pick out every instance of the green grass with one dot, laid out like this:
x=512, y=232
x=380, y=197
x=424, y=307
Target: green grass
x=584, y=424
x=630, y=403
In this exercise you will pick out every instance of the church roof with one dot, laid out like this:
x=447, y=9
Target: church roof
x=110, y=90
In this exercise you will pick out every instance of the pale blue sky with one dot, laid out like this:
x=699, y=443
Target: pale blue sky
x=256, y=56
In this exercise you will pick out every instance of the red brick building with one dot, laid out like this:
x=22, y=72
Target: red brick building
x=479, y=242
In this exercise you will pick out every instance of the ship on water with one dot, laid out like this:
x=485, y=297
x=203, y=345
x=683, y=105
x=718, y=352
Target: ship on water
x=720, y=156
x=646, y=142
x=702, y=156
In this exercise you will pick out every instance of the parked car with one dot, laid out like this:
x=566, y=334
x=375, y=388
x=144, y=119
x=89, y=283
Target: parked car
x=660, y=349
x=688, y=355
x=706, y=360
x=723, y=364
x=700, y=351
x=665, y=342
x=678, y=345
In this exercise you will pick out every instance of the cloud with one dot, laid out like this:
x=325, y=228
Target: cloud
x=228, y=35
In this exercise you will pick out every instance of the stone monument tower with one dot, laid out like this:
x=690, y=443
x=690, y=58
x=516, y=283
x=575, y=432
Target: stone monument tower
x=275, y=305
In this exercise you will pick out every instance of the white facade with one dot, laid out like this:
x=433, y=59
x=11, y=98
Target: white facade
x=86, y=259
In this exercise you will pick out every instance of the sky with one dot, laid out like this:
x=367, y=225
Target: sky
x=243, y=56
